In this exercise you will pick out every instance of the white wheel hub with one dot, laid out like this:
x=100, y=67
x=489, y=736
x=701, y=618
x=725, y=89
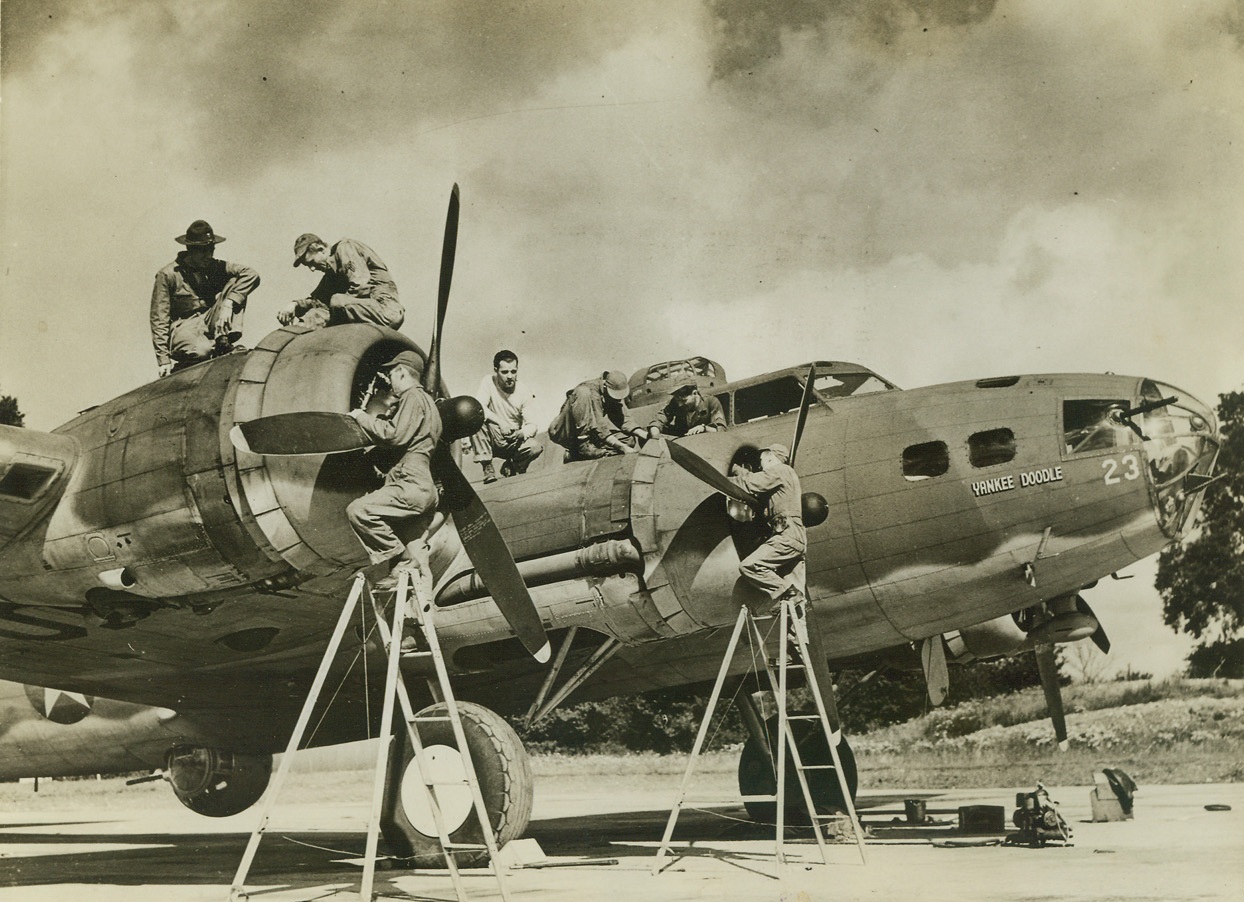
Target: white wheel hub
x=445, y=766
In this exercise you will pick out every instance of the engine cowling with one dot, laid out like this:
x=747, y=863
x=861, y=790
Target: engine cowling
x=217, y=782
x=991, y=639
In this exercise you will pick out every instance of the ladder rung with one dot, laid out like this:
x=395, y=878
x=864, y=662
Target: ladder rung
x=464, y=847
x=463, y=782
x=803, y=717
x=757, y=798
x=430, y=718
x=417, y=654
x=817, y=767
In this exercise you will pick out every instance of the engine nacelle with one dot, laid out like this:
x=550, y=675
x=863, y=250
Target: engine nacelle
x=217, y=782
x=991, y=639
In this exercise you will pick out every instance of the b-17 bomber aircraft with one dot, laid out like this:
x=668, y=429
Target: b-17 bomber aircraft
x=175, y=588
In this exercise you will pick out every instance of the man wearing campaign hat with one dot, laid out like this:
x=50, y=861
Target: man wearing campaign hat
x=688, y=412
x=356, y=286
x=594, y=422
x=777, y=566
x=198, y=302
x=409, y=494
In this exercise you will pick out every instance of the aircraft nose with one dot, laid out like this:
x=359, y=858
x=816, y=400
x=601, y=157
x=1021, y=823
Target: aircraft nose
x=1181, y=443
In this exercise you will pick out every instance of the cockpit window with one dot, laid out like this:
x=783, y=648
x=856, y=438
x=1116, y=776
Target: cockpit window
x=694, y=366
x=1090, y=426
x=768, y=399
x=842, y=385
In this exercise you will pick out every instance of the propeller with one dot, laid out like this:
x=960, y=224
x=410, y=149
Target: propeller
x=1047, y=666
x=432, y=372
x=804, y=403
x=481, y=538
x=323, y=432
x=1099, y=637
x=812, y=503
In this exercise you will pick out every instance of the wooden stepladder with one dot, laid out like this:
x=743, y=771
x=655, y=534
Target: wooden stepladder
x=410, y=584
x=793, y=626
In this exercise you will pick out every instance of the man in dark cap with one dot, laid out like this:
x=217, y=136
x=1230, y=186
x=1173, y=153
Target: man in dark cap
x=777, y=566
x=356, y=286
x=198, y=302
x=408, y=493
x=594, y=422
x=688, y=412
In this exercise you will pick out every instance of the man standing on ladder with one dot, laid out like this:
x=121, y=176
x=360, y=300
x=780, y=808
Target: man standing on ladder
x=777, y=566
x=408, y=492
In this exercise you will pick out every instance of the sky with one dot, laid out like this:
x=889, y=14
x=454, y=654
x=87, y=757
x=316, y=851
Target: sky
x=938, y=190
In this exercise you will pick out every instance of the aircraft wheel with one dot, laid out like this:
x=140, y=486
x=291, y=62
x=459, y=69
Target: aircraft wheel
x=505, y=781
x=758, y=776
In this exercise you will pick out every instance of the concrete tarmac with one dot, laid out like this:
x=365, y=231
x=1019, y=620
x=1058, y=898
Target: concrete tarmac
x=599, y=836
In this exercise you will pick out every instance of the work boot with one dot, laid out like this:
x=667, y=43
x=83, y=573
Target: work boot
x=490, y=475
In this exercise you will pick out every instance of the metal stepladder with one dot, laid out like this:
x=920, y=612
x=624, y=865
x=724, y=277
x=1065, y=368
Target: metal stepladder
x=409, y=583
x=796, y=629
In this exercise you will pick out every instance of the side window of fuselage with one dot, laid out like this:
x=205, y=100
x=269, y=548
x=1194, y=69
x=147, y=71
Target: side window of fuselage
x=925, y=460
x=991, y=447
x=1088, y=425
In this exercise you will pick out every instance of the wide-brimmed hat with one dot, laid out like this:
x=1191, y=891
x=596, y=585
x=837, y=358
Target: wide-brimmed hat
x=407, y=358
x=302, y=243
x=199, y=234
x=617, y=384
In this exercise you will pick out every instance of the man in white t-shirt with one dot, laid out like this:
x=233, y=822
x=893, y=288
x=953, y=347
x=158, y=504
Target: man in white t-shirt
x=507, y=432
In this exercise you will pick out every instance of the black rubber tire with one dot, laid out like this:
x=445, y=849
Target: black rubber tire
x=504, y=773
x=757, y=774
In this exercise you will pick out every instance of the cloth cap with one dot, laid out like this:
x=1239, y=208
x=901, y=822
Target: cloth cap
x=304, y=241
x=199, y=234
x=617, y=384
x=781, y=451
x=408, y=358
x=682, y=383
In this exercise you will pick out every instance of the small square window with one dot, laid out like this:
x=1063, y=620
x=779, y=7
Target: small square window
x=25, y=481
x=926, y=460
x=990, y=448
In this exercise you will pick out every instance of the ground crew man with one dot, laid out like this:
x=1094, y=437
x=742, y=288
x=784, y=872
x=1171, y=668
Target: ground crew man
x=408, y=493
x=777, y=566
x=198, y=302
x=356, y=286
x=593, y=421
x=688, y=412
x=506, y=433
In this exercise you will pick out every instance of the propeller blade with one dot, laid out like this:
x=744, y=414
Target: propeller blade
x=1099, y=637
x=303, y=432
x=1048, y=668
x=432, y=372
x=490, y=556
x=804, y=403
x=936, y=673
x=707, y=473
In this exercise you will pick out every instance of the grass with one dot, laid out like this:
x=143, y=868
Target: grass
x=1168, y=731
